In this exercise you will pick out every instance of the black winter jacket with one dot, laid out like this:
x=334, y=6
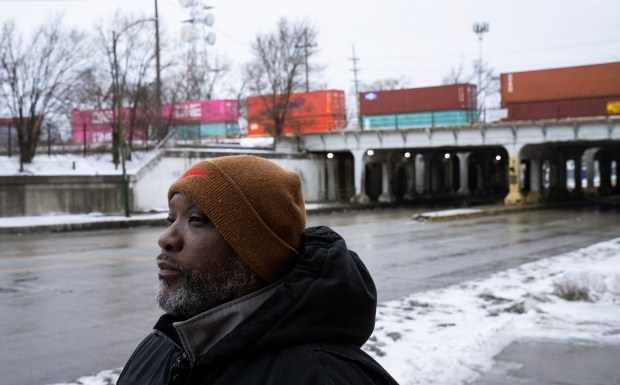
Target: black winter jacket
x=309, y=330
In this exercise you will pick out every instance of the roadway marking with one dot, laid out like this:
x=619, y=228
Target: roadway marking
x=99, y=262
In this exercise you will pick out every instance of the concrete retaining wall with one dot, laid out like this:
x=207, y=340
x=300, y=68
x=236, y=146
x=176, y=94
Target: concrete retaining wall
x=151, y=185
x=38, y=195
x=41, y=195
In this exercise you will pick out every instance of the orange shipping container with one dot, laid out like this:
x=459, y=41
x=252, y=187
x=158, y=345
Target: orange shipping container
x=303, y=104
x=302, y=125
x=589, y=81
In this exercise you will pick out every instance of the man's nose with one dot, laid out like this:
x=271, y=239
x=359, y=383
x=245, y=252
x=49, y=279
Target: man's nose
x=170, y=240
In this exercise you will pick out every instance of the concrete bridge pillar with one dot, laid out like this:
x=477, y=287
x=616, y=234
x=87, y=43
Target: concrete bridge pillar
x=359, y=169
x=420, y=173
x=514, y=196
x=534, y=195
x=386, y=194
x=578, y=191
x=331, y=179
x=616, y=189
x=557, y=178
x=410, y=172
x=605, y=173
x=463, y=173
x=588, y=156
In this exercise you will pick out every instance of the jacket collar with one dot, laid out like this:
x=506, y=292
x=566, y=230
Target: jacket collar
x=200, y=333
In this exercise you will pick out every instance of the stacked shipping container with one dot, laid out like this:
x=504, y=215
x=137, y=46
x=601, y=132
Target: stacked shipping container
x=453, y=104
x=192, y=120
x=95, y=126
x=203, y=118
x=316, y=111
x=560, y=93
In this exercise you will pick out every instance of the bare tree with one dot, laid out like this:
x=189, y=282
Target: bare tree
x=135, y=49
x=278, y=69
x=486, y=91
x=37, y=77
x=200, y=75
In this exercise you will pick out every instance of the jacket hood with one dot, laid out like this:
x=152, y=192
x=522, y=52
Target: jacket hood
x=328, y=297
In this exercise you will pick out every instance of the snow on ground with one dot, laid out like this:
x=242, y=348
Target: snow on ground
x=69, y=164
x=450, y=335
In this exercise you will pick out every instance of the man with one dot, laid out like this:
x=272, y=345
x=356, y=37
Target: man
x=250, y=295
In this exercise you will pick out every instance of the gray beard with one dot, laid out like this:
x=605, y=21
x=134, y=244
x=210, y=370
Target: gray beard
x=196, y=295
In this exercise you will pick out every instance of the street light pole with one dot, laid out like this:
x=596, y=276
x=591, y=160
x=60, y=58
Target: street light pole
x=119, y=108
x=158, y=128
x=119, y=114
x=480, y=29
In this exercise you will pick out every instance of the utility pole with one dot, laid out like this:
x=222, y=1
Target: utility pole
x=355, y=70
x=158, y=129
x=305, y=46
x=480, y=29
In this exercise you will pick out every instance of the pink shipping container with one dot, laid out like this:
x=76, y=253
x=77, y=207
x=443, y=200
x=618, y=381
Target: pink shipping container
x=425, y=99
x=579, y=82
x=201, y=112
x=97, y=125
x=560, y=109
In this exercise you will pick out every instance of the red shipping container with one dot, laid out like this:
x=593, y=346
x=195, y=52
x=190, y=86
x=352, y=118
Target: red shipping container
x=301, y=125
x=559, y=109
x=561, y=83
x=426, y=99
x=328, y=102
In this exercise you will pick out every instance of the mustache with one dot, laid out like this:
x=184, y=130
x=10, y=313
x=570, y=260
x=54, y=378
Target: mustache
x=162, y=257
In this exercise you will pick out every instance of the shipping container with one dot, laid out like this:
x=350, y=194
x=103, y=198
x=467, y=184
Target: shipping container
x=560, y=109
x=419, y=119
x=96, y=125
x=201, y=112
x=439, y=98
x=580, y=82
x=299, y=125
x=207, y=130
x=303, y=104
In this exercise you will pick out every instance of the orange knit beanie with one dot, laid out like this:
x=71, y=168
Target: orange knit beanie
x=256, y=205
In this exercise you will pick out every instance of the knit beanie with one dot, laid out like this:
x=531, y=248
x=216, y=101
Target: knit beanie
x=256, y=205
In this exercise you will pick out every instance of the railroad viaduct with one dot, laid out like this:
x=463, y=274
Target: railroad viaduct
x=521, y=161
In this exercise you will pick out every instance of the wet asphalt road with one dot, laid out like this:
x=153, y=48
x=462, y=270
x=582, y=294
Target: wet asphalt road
x=73, y=304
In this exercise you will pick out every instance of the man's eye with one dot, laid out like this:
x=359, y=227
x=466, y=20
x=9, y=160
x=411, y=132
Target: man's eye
x=170, y=220
x=196, y=219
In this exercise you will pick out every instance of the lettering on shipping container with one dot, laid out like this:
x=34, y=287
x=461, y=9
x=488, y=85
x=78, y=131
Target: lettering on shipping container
x=292, y=105
x=510, y=86
x=102, y=117
x=183, y=111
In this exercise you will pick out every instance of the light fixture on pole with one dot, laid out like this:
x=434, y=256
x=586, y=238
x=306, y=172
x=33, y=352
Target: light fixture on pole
x=480, y=29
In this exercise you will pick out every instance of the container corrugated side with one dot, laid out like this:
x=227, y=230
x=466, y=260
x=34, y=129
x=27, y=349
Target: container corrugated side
x=304, y=104
x=207, y=130
x=301, y=125
x=201, y=111
x=98, y=125
x=439, y=98
x=596, y=80
x=419, y=119
x=560, y=109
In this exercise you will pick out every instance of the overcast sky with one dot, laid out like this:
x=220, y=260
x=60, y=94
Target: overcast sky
x=419, y=40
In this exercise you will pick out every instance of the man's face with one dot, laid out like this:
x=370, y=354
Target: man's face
x=198, y=269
